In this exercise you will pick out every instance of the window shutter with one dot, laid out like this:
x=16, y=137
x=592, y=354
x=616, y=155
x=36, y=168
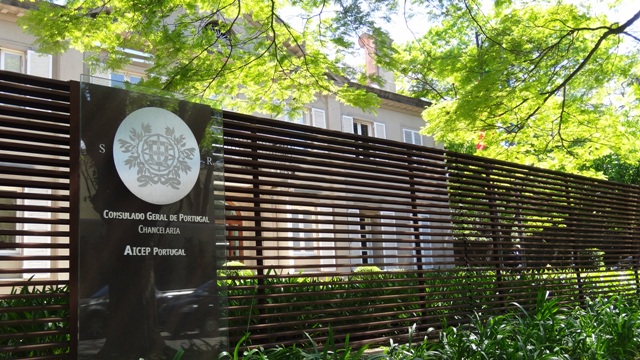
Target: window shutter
x=407, y=136
x=347, y=124
x=379, y=130
x=417, y=138
x=39, y=64
x=318, y=118
x=412, y=137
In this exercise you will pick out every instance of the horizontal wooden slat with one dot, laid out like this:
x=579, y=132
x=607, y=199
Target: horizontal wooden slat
x=34, y=114
x=28, y=124
x=36, y=82
x=48, y=105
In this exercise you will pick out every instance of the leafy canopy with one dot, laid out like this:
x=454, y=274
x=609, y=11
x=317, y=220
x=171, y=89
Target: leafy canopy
x=551, y=83
x=545, y=83
x=241, y=53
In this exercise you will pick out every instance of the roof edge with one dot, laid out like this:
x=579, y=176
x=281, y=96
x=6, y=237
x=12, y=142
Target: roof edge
x=393, y=96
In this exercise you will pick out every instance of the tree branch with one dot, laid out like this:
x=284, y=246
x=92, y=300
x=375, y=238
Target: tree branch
x=610, y=32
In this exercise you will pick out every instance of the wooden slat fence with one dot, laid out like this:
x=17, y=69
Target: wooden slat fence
x=34, y=217
x=451, y=234
x=326, y=231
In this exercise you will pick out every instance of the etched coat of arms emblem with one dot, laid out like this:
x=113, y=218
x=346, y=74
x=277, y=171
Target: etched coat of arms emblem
x=156, y=155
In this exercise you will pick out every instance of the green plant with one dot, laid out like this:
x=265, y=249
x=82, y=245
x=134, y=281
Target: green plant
x=411, y=350
x=367, y=269
x=602, y=329
x=380, y=300
x=234, y=268
x=39, y=310
x=591, y=259
x=313, y=352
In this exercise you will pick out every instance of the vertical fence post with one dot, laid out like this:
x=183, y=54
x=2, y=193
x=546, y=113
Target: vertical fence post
x=635, y=238
x=257, y=205
x=74, y=213
x=416, y=219
x=573, y=239
x=416, y=229
x=496, y=238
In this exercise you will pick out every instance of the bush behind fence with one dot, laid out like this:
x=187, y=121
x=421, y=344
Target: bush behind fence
x=380, y=300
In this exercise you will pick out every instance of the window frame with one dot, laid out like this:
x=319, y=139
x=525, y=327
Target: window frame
x=360, y=244
x=126, y=76
x=374, y=128
x=362, y=124
x=23, y=59
x=301, y=247
x=413, y=133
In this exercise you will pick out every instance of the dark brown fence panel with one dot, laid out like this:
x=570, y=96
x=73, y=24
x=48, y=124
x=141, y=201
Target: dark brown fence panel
x=34, y=217
x=448, y=234
x=308, y=209
x=577, y=236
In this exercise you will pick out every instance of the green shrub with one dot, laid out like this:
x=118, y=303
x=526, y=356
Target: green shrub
x=607, y=328
x=234, y=268
x=603, y=329
x=367, y=269
x=591, y=260
x=380, y=300
x=53, y=305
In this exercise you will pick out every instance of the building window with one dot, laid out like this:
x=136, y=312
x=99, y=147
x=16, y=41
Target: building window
x=303, y=232
x=412, y=137
x=425, y=242
x=312, y=116
x=298, y=118
x=29, y=62
x=389, y=246
x=360, y=244
x=363, y=127
x=118, y=79
x=29, y=218
x=8, y=228
x=11, y=61
x=318, y=118
x=221, y=29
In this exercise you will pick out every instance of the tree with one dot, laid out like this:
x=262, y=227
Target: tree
x=543, y=83
x=547, y=83
x=241, y=53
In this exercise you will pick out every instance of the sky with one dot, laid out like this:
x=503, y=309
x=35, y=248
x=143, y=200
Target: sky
x=403, y=30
